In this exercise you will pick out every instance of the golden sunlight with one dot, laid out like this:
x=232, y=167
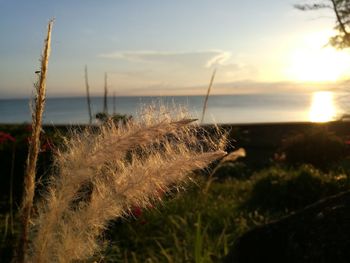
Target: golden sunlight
x=322, y=107
x=316, y=62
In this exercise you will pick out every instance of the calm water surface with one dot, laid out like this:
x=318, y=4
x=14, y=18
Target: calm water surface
x=319, y=106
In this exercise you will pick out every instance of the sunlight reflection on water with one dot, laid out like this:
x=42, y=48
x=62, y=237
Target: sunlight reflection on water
x=323, y=107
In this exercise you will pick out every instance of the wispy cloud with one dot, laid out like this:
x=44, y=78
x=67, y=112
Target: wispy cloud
x=221, y=58
x=205, y=58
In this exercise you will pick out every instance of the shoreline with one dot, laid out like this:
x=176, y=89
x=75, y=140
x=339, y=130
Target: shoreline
x=260, y=140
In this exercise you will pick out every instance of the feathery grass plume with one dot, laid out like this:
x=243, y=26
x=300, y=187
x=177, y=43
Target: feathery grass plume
x=88, y=94
x=207, y=96
x=103, y=174
x=34, y=147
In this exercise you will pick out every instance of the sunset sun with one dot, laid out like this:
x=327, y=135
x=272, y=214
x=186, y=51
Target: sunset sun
x=317, y=62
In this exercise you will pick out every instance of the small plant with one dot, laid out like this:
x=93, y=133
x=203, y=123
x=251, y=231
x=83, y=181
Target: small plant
x=121, y=118
x=102, y=117
x=116, y=118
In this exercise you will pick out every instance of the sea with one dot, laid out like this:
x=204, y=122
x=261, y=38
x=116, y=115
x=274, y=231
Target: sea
x=221, y=109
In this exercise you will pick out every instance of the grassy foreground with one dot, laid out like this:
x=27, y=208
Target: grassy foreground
x=201, y=223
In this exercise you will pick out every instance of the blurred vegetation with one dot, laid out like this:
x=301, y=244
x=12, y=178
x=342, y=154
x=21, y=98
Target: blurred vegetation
x=201, y=223
x=118, y=119
x=280, y=190
x=237, y=170
x=317, y=147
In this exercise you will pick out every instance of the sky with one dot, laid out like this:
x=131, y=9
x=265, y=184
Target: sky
x=168, y=47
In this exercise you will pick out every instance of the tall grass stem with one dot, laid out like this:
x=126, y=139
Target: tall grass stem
x=88, y=94
x=114, y=102
x=207, y=96
x=105, y=106
x=34, y=148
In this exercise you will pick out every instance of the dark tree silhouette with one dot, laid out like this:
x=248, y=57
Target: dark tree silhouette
x=341, y=9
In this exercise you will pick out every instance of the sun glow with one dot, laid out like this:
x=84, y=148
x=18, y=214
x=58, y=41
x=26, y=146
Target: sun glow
x=316, y=62
x=322, y=107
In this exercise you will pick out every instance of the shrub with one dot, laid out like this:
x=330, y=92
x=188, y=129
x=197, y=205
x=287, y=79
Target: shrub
x=116, y=118
x=318, y=147
x=279, y=190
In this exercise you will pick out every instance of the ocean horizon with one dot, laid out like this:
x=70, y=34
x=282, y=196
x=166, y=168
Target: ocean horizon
x=221, y=109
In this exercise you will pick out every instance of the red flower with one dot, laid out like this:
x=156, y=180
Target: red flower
x=6, y=137
x=136, y=211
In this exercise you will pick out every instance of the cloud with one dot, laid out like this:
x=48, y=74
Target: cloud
x=220, y=88
x=173, y=70
x=220, y=59
x=206, y=58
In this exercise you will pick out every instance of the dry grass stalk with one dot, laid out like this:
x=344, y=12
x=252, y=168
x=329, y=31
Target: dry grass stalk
x=88, y=94
x=34, y=147
x=105, y=105
x=123, y=167
x=233, y=156
x=114, y=108
x=207, y=96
